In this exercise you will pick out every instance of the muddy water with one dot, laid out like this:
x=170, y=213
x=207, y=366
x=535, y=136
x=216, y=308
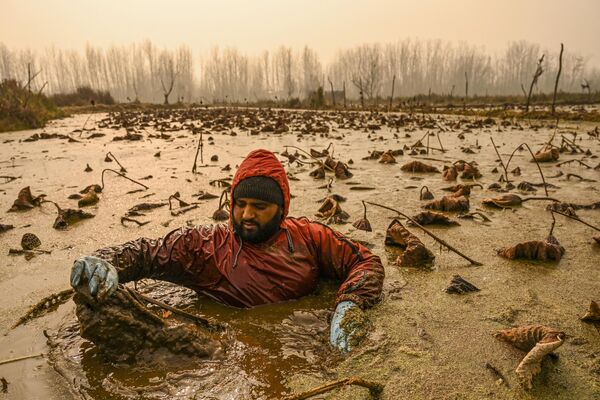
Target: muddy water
x=424, y=343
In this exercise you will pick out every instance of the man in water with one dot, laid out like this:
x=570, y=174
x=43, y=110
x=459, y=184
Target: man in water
x=262, y=256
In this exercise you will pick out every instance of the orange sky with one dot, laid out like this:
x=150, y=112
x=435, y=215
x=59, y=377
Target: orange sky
x=325, y=25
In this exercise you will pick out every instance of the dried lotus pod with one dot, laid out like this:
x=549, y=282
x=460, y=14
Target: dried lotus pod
x=221, y=214
x=547, y=155
x=88, y=168
x=387, y=158
x=548, y=250
x=538, y=341
x=26, y=201
x=449, y=203
x=433, y=218
x=363, y=224
x=88, y=199
x=425, y=195
x=418, y=166
x=459, y=285
x=30, y=241
x=593, y=313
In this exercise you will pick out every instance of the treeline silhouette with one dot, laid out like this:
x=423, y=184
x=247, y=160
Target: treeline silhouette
x=142, y=72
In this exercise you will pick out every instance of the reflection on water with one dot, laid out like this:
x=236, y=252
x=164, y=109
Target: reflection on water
x=268, y=344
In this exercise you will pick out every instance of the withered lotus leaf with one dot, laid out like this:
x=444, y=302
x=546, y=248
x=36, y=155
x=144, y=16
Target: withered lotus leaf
x=88, y=199
x=449, y=203
x=374, y=155
x=593, y=314
x=538, y=341
x=68, y=217
x=504, y=201
x=564, y=207
x=146, y=206
x=415, y=254
x=547, y=250
x=433, y=218
x=332, y=212
x=26, y=201
x=395, y=234
x=547, y=155
x=450, y=173
x=329, y=162
x=341, y=171
x=387, y=158
x=4, y=228
x=459, y=285
x=95, y=187
x=318, y=173
x=418, y=166
x=470, y=172
x=318, y=154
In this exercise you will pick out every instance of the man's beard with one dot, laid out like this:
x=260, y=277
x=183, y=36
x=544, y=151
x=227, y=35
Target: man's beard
x=262, y=233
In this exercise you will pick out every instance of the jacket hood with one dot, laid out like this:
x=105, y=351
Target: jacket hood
x=262, y=162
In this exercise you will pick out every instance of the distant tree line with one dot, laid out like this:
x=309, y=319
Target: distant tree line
x=145, y=73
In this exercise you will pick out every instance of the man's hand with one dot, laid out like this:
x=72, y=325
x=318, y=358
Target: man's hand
x=348, y=326
x=101, y=276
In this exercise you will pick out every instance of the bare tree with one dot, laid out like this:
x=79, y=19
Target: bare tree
x=538, y=72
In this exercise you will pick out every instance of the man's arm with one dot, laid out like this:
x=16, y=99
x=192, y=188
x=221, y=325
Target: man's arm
x=167, y=258
x=177, y=258
x=360, y=271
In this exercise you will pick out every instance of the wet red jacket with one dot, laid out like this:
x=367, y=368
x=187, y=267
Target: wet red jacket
x=214, y=261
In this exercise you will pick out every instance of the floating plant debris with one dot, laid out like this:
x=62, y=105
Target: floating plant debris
x=459, y=285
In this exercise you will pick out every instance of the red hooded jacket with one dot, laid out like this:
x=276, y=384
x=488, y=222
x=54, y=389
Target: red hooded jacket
x=214, y=261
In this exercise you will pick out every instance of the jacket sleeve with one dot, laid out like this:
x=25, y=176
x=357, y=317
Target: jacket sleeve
x=360, y=271
x=177, y=257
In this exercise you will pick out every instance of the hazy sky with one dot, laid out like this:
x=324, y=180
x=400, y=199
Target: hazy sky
x=324, y=25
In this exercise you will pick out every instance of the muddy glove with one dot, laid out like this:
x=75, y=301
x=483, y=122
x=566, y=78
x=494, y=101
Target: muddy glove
x=101, y=276
x=348, y=326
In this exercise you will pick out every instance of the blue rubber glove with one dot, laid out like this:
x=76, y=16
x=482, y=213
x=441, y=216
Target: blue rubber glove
x=344, y=336
x=101, y=276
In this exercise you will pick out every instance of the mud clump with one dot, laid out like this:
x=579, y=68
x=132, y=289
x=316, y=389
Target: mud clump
x=355, y=321
x=125, y=330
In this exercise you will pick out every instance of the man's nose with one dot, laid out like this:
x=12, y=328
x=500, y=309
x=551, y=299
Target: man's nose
x=248, y=214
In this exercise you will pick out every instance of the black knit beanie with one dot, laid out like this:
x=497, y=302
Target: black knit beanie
x=261, y=188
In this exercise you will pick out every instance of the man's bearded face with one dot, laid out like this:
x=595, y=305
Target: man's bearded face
x=254, y=220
